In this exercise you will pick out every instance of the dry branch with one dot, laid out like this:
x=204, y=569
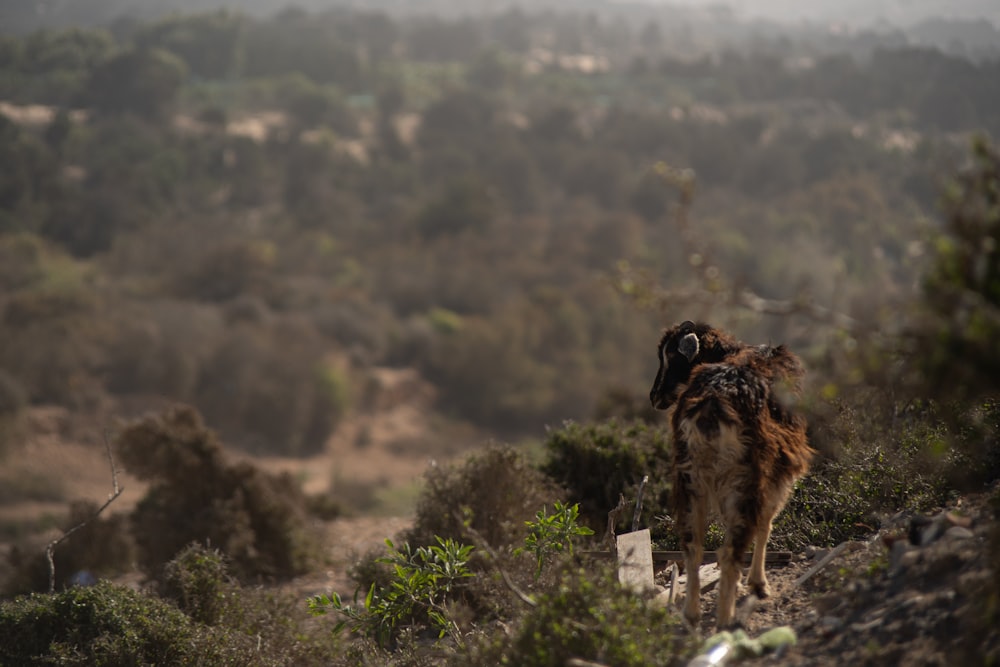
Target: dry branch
x=638, y=504
x=826, y=560
x=115, y=492
x=612, y=520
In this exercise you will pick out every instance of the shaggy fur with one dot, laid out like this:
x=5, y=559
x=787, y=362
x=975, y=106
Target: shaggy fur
x=738, y=449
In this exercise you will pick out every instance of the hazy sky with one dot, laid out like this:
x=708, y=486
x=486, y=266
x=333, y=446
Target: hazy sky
x=856, y=12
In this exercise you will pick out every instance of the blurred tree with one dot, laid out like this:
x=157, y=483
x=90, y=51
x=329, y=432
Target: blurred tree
x=441, y=40
x=960, y=346
x=210, y=44
x=493, y=70
x=295, y=42
x=144, y=82
x=74, y=49
x=465, y=203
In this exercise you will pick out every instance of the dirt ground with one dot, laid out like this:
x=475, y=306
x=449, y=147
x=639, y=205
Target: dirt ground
x=885, y=600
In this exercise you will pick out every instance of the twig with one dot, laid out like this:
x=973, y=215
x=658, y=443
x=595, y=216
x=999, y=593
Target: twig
x=638, y=503
x=673, y=584
x=612, y=520
x=836, y=551
x=579, y=662
x=116, y=491
x=485, y=546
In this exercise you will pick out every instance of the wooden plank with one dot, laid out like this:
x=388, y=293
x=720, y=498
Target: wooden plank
x=772, y=557
x=635, y=561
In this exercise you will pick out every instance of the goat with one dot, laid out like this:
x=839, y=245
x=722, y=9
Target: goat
x=737, y=450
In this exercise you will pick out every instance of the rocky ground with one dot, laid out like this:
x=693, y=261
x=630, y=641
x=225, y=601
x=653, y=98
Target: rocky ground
x=912, y=594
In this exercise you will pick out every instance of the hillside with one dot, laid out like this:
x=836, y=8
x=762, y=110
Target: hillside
x=316, y=278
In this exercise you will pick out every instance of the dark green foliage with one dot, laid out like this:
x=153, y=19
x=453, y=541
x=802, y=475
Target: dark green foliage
x=587, y=615
x=551, y=534
x=496, y=491
x=144, y=82
x=109, y=625
x=955, y=346
x=963, y=286
x=257, y=520
x=598, y=461
x=417, y=597
x=197, y=581
x=209, y=43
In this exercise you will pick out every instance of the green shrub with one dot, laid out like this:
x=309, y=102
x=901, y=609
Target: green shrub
x=587, y=615
x=111, y=625
x=257, y=520
x=597, y=462
x=552, y=534
x=198, y=582
x=416, y=596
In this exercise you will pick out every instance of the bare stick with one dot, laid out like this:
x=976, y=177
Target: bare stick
x=673, y=584
x=115, y=492
x=638, y=504
x=612, y=520
x=836, y=551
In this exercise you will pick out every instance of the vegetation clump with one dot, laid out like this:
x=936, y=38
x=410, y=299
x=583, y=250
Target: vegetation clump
x=106, y=624
x=598, y=462
x=257, y=520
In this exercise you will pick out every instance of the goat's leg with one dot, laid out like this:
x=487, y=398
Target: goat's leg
x=757, y=579
x=693, y=546
x=731, y=566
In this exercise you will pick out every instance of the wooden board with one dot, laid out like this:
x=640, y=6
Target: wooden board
x=635, y=560
x=772, y=557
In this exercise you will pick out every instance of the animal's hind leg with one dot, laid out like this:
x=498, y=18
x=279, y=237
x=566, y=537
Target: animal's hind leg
x=757, y=579
x=730, y=557
x=692, y=544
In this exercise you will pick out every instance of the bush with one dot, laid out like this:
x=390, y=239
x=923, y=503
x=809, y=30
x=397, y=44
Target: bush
x=416, y=598
x=257, y=520
x=871, y=474
x=587, y=616
x=110, y=625
x=597, y=462
x=198, y=582
x=494, y=491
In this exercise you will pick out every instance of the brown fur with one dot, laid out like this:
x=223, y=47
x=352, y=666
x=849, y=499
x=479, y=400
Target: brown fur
x=738, y=449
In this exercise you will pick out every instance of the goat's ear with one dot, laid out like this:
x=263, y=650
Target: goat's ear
x=688, y=346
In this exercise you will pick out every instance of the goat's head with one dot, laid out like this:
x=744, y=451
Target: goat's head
x=681, y=349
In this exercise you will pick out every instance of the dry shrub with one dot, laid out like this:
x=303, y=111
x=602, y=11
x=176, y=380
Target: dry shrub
x=257, y=520
x=495, y=490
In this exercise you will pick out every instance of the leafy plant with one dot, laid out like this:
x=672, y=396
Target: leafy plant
x=417, y=592
x=553, y=533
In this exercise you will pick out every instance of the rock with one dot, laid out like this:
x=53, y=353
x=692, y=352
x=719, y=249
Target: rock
x=958, y=533
x=830, y=624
